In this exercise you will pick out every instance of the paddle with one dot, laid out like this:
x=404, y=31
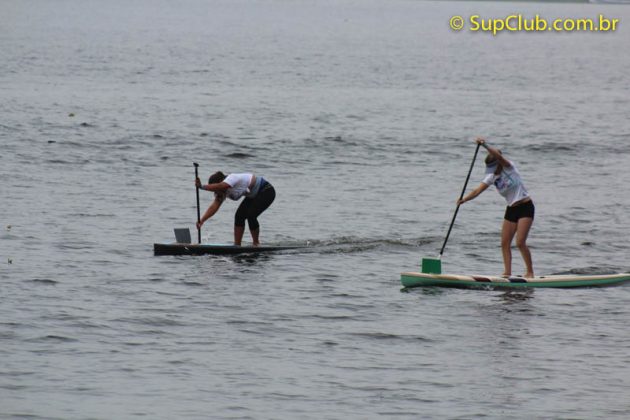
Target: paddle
x=198, y=212
x=434, y=266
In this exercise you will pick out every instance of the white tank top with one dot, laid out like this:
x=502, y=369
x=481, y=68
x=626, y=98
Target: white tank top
x=508, y=183
x=239, y=184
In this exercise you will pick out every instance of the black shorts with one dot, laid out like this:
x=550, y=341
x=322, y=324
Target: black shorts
x=527, y=209
x=251, y=208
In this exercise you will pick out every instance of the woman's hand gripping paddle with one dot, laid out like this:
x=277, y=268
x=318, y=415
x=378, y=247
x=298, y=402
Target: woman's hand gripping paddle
x=198, y=211
x=434, y=266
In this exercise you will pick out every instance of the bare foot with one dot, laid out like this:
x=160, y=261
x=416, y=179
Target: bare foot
x=529, y=275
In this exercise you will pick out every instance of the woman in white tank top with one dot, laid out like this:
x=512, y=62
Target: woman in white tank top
x=258, y=193
x=519, y=214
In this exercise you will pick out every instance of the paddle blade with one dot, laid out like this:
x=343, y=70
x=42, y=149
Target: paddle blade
x=431, y=266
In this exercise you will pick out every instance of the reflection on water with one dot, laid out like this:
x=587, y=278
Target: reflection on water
x=517, y=296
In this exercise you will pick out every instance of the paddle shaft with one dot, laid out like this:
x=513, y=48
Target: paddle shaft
x=460, y=197
x=198, y=211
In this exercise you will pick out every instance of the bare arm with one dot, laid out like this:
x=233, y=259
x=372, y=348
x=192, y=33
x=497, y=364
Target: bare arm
x=494, y=152
x=214, y=207
x=474, y=193
x=218, y=187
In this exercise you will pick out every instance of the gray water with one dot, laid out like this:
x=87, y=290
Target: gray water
x=362, y=114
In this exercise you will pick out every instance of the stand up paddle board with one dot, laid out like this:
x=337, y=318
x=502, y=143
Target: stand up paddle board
x=213, y=249
x=413, y=279
x=183, y=246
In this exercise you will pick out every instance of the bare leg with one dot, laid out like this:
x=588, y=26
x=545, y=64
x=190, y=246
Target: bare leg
x=238, y=234
x=524, y=224
x=507, y=234
x=255, y=233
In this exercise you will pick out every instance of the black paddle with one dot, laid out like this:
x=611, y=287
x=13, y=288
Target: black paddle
x=430, y=265
x=198, y=212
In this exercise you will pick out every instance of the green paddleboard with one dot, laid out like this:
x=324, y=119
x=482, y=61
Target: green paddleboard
x=413, y=279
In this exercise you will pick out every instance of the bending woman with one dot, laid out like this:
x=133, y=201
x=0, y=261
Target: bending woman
x=258, y=193
x=519, y=214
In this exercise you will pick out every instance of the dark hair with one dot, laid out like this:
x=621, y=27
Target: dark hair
x=491, y=160
x=216, y=177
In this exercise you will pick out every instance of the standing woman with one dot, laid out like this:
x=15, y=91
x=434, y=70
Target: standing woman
x=519, y=214
x=258, y=193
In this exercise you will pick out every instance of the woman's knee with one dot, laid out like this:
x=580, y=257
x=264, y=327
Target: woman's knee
x=521, y=243
x=253, y=223
x=239, y=218
x=506, y=238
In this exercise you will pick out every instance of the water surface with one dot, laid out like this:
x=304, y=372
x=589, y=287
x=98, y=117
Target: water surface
x=362, y=115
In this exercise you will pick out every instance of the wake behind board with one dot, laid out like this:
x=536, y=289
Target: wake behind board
x=183, y=246
x=413, y=279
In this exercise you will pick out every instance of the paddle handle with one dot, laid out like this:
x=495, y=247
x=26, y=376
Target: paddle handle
x=198, y=210
x=460, y=197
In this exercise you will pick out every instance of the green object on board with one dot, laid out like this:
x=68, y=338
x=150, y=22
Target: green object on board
x=431, y=266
